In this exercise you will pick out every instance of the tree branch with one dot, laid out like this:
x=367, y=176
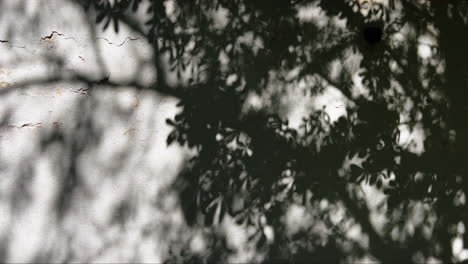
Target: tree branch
x=92, y=83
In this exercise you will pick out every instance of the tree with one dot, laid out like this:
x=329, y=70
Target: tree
x=252, y=164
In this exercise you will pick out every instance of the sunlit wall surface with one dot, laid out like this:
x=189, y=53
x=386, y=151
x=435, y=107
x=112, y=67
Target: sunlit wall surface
x=233, y=131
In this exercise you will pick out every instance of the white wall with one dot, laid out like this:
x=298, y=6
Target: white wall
x=111, y=138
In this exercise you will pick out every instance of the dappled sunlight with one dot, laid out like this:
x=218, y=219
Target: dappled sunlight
x=115, y=178
x=82, y=166
x=233, y=131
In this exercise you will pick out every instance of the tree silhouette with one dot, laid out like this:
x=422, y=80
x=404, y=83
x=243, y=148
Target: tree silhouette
x=251, y=164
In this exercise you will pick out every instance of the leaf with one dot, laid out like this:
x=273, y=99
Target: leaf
x=379, y=183
x=356, y=172
x=240, y=218
x=107, y=23
x=373, y=179
x=100, y=17
x=181, y=140
x=116, y=24
x=170, y=122
x=136, y=3
x=171, y=137
x=262, y=241
x=149, y=9
x=222, y=211
x=174, y=65
x=209, y=217
x=230, y=136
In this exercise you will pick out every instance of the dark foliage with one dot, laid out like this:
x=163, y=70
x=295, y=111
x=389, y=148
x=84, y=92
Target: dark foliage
x=245, y=155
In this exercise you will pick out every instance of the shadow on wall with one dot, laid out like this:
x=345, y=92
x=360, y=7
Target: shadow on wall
x=82, y=138
x=371, y=169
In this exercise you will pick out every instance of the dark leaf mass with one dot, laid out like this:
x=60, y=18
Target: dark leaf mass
x=252, y=164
